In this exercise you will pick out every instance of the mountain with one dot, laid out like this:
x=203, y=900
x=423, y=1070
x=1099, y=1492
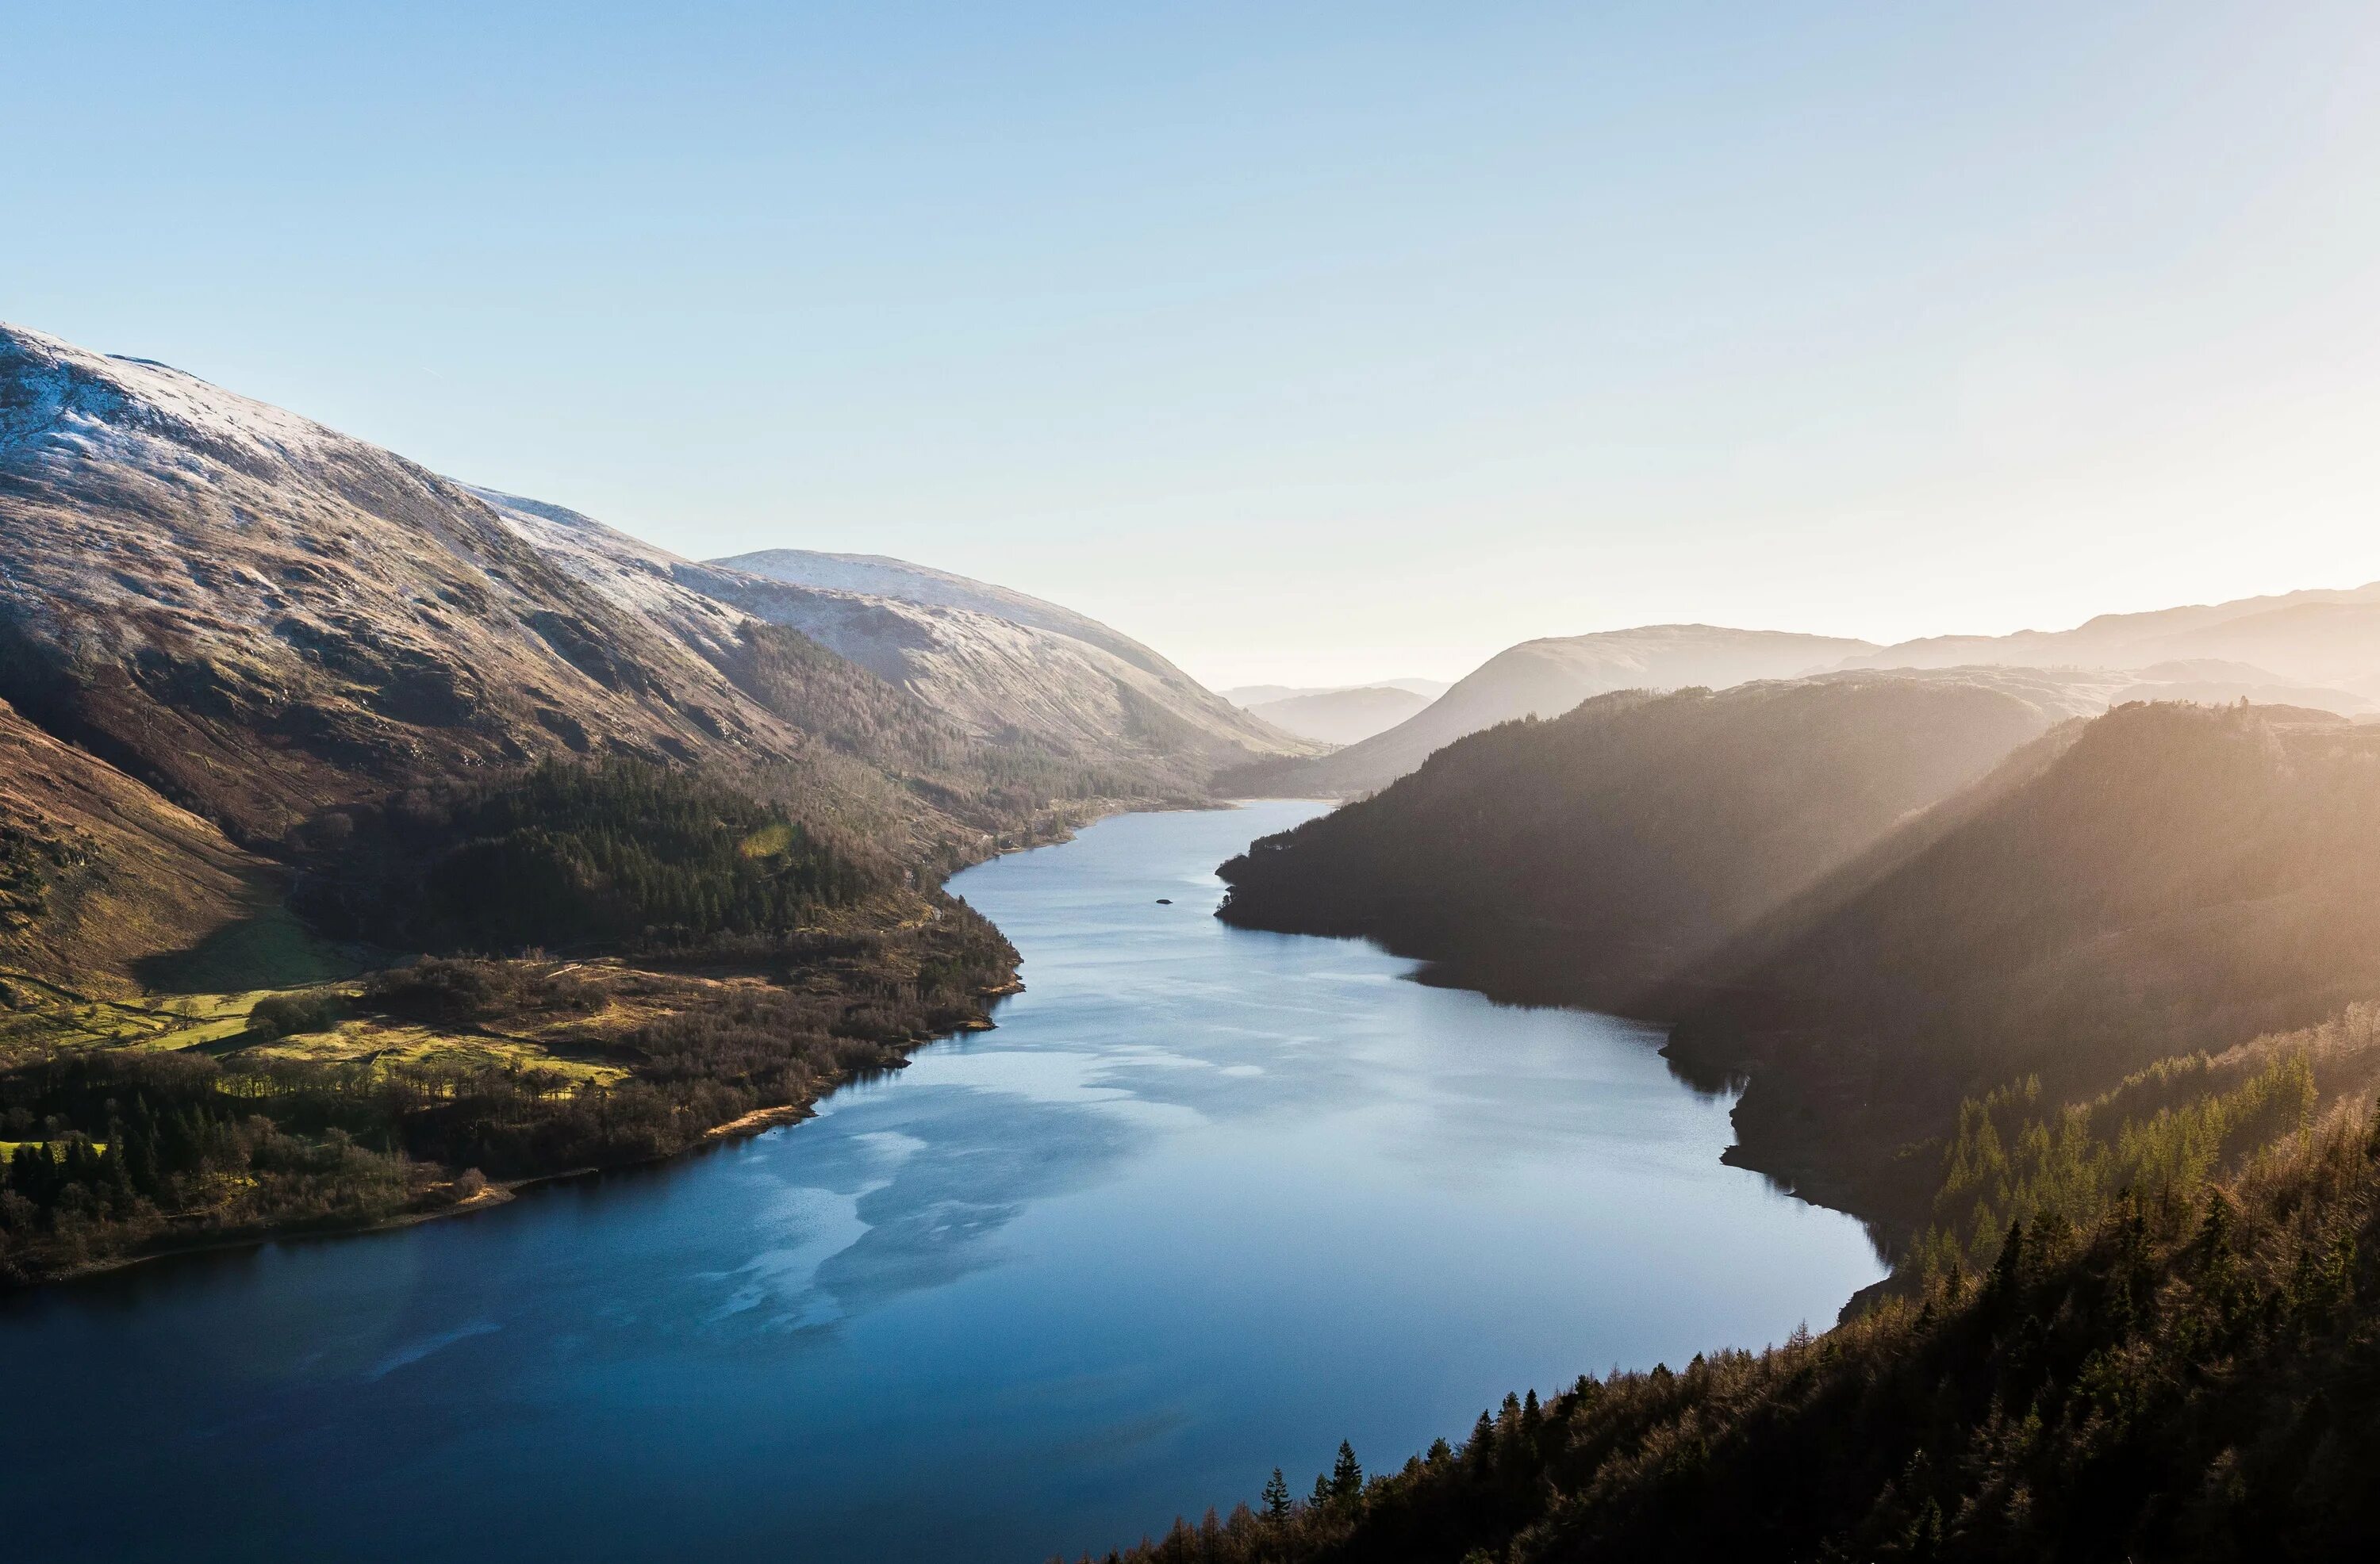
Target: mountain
x=1000, y=661
x=1341, y=716
x=259, y=616
x=2166, y=878
x=264, y=618
x=2321, y=637
x=1259, y=695
x=1546, y=678
x=1587, y=857
x=938, y=725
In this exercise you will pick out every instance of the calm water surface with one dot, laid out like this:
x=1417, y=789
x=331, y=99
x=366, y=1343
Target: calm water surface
x=1207, y=1201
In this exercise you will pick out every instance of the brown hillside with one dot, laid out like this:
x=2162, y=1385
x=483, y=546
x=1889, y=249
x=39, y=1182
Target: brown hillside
x=1589, y=857
x=96, y=870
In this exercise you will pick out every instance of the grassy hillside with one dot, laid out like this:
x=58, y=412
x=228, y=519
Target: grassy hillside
x=97, y=871
x=2179, y=878
x=1587, y=857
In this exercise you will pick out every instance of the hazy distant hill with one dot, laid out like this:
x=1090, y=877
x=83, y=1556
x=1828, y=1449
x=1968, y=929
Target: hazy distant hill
x=2321, y=637
x=1259, y=695
x=999, y=661
x=2179, y=877
x=1547, y=678
x=1588, y=856
x=1341, y=716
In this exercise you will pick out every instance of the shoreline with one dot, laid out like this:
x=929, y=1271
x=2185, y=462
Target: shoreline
x=499, y=1192
x=503, y=1193
x=744, y=1126
x=1464, y=972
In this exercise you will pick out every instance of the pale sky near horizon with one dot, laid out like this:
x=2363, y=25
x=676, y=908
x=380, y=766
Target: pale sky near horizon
x=1309, y=345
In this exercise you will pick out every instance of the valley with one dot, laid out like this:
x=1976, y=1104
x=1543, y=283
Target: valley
x=976, y=784
x=374, y=847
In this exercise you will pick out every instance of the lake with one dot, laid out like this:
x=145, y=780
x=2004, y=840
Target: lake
x=1206, y=1202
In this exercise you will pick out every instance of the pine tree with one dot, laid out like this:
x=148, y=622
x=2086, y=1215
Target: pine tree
x=1276, y=1498
x=1346, y=1476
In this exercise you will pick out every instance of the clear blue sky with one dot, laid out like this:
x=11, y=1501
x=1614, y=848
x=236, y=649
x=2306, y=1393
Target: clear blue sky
x=1307, y=343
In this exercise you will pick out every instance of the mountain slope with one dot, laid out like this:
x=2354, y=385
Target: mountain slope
x=259, y=616
x=1000, y=663
x=1587, y=857
x=1546, y=678
x=97, y=871
x=2179, y=877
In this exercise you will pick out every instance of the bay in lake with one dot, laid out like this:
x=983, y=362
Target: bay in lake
x=1206, y=1202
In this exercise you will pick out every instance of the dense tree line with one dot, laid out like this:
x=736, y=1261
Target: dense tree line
x=2180, y=1122
x=617, y=854
x=2193, y=1375
x=1587, y=857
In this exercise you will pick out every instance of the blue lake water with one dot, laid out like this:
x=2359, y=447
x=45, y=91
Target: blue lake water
x=1206, y=1202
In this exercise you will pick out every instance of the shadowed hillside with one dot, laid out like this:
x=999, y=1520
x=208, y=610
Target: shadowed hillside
x=1589, y=857
x=2179, y=877
x=97, y=871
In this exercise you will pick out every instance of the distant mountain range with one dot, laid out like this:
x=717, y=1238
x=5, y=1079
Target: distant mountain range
x=2320, y=637
x=998, y=662
x=1264, y=694
x=1341, y=716
x=1546, y=678
x=2318, y=650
